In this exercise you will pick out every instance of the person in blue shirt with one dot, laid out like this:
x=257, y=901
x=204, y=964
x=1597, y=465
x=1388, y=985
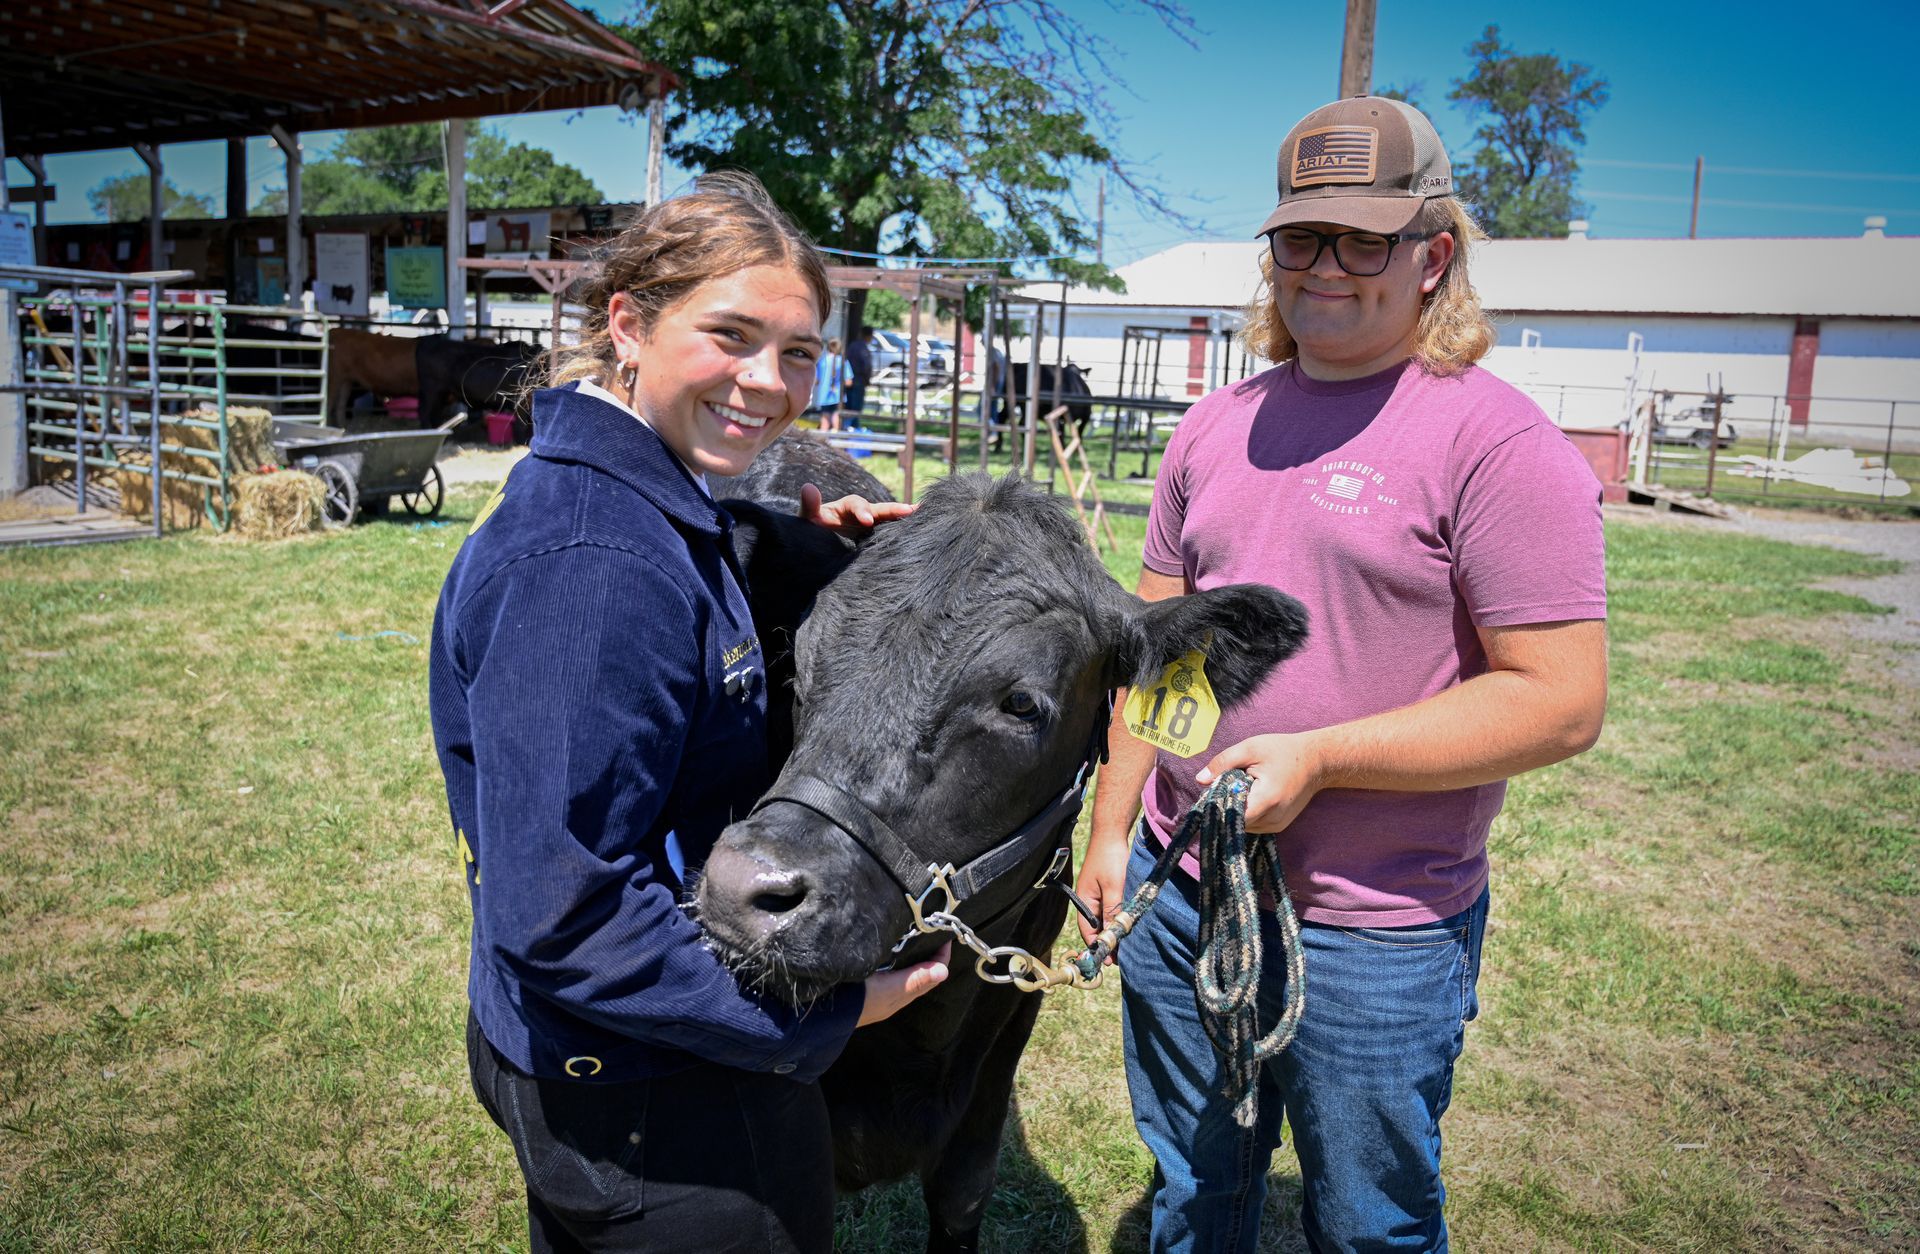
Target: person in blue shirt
x=599, y=709
x=830, y=374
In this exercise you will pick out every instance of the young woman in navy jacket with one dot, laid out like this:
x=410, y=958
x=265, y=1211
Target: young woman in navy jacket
x=599, y=710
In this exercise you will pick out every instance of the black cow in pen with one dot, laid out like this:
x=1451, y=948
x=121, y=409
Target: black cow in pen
x=1059, y=385
x=483, y=375
x=947, y=687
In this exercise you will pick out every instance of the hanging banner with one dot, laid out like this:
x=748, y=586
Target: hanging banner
x=417, y=277
x=518, y=236
x=340, y=274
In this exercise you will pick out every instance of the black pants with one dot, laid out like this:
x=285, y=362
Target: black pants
x=708, y=1159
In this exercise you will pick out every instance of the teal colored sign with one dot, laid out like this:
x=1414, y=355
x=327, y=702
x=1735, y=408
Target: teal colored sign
x=417, y=277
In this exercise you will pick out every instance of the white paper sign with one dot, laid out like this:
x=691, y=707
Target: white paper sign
x=477, y=231
x=340, y=274
x=16, y=248
x=521, y=236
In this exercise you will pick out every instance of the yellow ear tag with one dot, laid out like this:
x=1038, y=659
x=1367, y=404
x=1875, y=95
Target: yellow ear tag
x=1177, y=712
x=486, y=511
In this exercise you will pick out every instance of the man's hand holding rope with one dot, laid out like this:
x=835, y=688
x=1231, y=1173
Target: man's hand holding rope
x=1285, y=774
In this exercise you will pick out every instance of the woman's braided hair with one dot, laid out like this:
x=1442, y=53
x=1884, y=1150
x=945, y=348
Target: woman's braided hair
x=726, y=223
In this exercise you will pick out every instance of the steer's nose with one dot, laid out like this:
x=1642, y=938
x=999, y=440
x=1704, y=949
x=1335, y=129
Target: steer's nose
x=750, y=895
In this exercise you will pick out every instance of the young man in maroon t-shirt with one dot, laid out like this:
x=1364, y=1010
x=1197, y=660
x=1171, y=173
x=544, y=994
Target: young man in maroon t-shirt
x=1446, y=540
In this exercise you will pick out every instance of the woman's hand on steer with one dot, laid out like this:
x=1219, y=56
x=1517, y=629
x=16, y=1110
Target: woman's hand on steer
x=889, y=992
x=850, y=515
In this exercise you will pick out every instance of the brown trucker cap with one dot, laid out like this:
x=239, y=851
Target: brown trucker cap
x=1367, y=162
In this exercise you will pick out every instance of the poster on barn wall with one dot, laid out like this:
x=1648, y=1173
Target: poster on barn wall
x=270, y=287
x=518, y=236
x=340, y=273
x=16, y=248
x=417, y=277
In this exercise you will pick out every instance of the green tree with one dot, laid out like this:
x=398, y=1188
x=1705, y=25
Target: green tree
x=887, y=310
x=1530, y=113
x=501, y=175
x=125, y=198
x=929, y=127
x=403, y=169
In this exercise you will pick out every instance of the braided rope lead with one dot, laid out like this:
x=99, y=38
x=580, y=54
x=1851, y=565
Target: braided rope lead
x=1227, y=974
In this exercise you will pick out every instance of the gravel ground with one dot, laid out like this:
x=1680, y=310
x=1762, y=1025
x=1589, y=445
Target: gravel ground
x=478, y=463
x=1899, y=540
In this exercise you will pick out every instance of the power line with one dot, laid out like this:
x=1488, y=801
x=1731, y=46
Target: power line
x=1652, y=198
x=1749, y=169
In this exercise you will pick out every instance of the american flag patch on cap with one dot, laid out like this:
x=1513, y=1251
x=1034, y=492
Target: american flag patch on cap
x=1336, y=154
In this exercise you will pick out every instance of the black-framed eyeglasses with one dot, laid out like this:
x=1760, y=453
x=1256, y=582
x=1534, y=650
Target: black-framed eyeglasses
x=1362, y=254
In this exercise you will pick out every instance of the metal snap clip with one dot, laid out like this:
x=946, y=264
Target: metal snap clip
x=583, y=1058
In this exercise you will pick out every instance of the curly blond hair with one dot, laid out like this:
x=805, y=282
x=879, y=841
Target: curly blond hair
x=1454, y=330
x=725, y=224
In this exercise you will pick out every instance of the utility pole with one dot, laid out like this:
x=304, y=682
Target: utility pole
x=1100, y=225
x=1356, y=56
x=1693, y=220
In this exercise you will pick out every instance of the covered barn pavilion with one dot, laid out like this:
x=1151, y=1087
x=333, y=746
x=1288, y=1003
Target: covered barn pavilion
x=83, y=75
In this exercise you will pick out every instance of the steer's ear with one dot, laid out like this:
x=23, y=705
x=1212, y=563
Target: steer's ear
x=1244, y=629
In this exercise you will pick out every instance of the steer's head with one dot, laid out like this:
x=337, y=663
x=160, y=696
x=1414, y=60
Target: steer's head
x=952, y=680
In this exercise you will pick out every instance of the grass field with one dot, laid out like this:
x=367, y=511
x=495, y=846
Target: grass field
x=234, y=942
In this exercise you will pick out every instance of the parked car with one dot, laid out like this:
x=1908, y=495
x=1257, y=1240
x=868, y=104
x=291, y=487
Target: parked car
x=1694, y=426
x=940, y=353
x=890, y=358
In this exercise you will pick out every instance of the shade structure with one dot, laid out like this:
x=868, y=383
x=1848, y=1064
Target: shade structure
x=79, y=75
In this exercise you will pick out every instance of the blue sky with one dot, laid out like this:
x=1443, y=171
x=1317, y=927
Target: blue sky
x=1798, y=110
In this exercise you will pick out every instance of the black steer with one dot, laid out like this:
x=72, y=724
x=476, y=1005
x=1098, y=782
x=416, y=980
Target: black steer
x=950, y=678
x=1059, y=385
x=482, y=375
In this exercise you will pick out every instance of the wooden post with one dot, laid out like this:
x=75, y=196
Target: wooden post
x=13, y=411
x=236, y=213
x=953, y=397
x=156, y=205
x=985, y=371
x=656, y=147
x=455, y=135
x=1028, y=448
x=913, y=397
x=1356, y=54
x=289, y=144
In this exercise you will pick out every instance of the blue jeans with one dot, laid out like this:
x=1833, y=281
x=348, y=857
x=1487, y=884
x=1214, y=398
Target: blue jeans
x=1363, y=1086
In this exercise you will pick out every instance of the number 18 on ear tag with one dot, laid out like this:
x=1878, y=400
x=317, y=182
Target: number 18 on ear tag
x=1177, y=712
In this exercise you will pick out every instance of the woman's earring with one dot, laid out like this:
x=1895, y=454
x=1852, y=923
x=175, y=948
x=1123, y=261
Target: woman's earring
x=627, y=373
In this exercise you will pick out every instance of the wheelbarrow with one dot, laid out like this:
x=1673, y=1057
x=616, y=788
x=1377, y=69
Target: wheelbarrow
x=364, y=473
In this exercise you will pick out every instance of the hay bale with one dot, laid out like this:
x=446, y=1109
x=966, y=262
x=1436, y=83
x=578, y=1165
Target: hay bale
x=249, y=439
x=277, y=505
x=181, y=504
x=249, y=450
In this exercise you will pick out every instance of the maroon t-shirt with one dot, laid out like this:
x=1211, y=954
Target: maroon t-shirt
x=1405, y=511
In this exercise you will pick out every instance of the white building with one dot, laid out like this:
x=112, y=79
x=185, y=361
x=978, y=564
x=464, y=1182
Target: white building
x=1826, y=330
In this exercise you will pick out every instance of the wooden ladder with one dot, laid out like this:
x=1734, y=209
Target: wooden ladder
x=1092, y=517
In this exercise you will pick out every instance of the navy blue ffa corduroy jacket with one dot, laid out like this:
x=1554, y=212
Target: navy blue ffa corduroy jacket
x=599, y=708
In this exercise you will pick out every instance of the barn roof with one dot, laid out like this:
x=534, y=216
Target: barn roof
x=1858, y=277
x=78, y=75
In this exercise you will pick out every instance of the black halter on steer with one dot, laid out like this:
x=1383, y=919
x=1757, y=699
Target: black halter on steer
x=917, y=875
